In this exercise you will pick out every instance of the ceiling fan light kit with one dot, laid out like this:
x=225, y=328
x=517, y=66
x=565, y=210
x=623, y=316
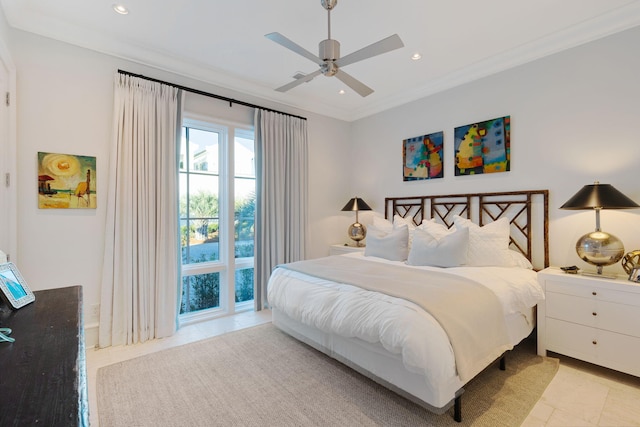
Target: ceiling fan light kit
x=329, y=59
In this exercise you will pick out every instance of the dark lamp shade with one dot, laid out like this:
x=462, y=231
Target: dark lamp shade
x=597, y=195
x=356, y=204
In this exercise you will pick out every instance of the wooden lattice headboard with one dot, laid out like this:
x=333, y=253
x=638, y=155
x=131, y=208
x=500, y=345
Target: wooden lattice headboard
x=528, y=213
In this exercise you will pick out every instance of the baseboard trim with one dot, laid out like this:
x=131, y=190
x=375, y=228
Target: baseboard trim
x=91, y=335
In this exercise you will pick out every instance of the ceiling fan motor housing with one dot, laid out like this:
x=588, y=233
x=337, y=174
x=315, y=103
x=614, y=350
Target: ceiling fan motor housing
x=329, y=50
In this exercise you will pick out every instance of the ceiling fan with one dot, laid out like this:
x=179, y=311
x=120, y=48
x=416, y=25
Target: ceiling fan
x=329, y=58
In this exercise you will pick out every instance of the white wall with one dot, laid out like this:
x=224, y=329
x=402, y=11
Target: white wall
x=65, y=102
x=574, y=120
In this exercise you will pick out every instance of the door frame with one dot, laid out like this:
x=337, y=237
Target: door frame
x=8, y=150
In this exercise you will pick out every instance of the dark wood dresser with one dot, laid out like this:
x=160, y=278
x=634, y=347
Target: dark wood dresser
x=43, y=377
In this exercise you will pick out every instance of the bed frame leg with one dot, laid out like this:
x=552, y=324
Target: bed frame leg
x=503, y=363
x=457, y=409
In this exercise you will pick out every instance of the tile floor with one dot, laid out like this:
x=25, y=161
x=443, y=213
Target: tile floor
x=580, y=394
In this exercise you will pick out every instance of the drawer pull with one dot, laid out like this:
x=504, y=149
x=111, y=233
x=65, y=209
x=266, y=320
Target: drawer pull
x=594, y=313
x=594, y=342
x=594, y=293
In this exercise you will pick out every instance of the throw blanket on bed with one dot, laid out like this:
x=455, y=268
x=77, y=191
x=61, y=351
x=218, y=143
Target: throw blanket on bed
x=470, y=314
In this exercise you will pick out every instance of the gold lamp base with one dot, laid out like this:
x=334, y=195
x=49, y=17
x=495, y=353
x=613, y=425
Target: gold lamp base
x=600, y=249
x=357, y=232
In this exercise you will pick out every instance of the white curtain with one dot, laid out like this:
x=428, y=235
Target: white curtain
x=282, y=199
x=140, y=280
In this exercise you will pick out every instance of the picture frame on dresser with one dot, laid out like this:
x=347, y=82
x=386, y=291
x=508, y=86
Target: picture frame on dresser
x=15, y=290
x=634, y=276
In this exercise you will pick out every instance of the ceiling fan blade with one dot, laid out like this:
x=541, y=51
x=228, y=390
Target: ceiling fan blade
x=299, y=81
x=362, y=89
x=383, y=46
x=283, y=41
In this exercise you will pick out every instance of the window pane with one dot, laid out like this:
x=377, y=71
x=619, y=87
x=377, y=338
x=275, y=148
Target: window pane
x=245, y=196
x=244, y=157
x=244, y=224
x=200, y=292
x=244, y=285
x=203, y=196
x=201, y=245
x=199, y=215
x=203, y=151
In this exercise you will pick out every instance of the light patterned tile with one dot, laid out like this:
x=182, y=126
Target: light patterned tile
x=622, y=408
x=561, y=418
x=541, y=411
x=577, y=394
x=532, y=421
x=608, y=377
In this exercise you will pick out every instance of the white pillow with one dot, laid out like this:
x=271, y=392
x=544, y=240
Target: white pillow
x=448, y=251
x=382, y=224
x=399, y=221
x=392, y=246
x=434, y=228
x=489, y=244
x=519, y=260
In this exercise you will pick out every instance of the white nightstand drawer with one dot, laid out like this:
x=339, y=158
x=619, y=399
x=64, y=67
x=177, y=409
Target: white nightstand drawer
x=587, y=289
x=571, y=339
x=616, y=351
x=620, y=318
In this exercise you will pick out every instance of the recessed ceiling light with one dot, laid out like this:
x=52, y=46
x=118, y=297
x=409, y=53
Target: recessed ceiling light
x=120, y=9
x=341, y=92
x=416, y=56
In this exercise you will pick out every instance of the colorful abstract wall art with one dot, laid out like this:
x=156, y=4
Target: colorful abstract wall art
x=483, y=147
x=66, y=181
x=422, y=157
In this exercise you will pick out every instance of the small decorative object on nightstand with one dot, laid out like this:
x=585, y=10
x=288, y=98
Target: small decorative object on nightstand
x=630, y=260
x=357, y=231
x=599, y=248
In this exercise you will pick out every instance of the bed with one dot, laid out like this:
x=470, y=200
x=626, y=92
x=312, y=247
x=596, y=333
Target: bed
x=445, y=287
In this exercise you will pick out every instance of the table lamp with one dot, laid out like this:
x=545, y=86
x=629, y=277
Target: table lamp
x=599, y=248
x=357, y=231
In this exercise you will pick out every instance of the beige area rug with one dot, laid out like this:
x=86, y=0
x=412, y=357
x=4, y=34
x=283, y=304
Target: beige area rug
x=262, y=377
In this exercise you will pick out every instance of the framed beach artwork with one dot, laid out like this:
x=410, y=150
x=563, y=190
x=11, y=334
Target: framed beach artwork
x=66, y=181
x=483, y=147
x=422, y=157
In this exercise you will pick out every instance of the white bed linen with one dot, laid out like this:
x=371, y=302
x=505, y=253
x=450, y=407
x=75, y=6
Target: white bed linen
x=399, y=326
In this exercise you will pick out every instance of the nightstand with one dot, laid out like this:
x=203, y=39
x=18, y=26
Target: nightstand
x=589, y=318
x=344, y=249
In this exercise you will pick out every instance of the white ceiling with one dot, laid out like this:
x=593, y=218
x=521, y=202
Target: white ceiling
x=223, y=43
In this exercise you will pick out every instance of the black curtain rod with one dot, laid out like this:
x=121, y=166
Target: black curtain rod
x=231, y=101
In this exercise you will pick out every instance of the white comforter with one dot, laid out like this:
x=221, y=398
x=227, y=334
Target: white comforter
x=401, y=327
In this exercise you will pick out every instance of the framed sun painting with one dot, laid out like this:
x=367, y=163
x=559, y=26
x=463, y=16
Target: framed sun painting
x=66, y=181
x=483, y=147
x=422, y=157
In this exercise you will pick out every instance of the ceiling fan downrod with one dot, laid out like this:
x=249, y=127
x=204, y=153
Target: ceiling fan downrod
x=329, y=49
x=329, y=5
